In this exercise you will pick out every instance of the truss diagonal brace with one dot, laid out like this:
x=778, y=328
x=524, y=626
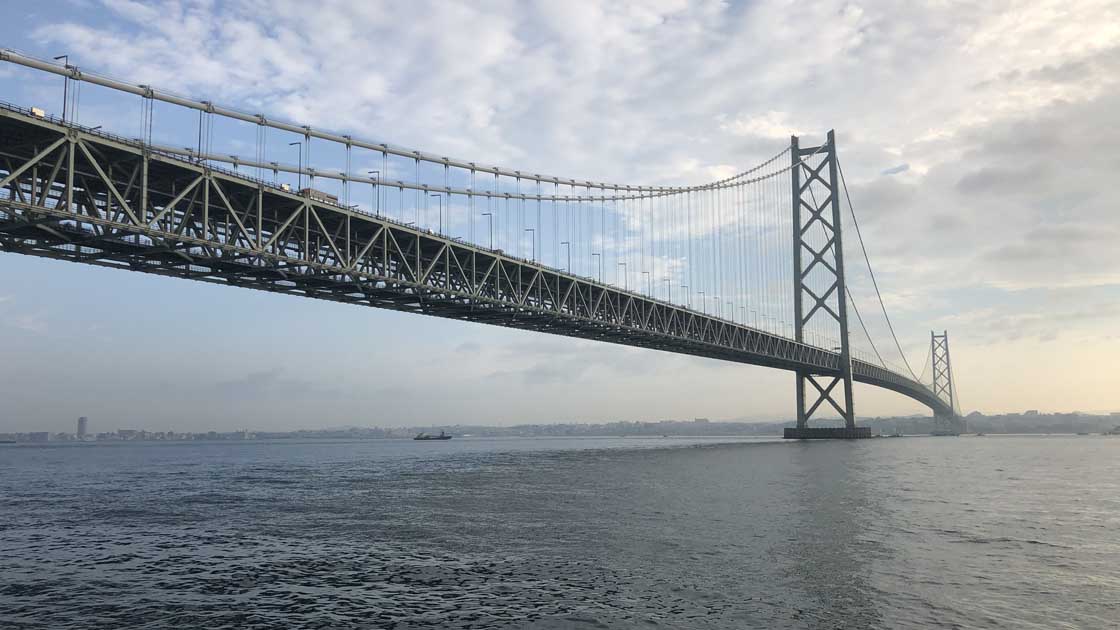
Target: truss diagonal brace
x=820, y=235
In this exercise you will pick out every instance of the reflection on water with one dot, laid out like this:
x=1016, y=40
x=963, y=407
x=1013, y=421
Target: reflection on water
x=950, y=532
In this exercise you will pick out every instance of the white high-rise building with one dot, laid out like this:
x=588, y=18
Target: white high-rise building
x=83, y=427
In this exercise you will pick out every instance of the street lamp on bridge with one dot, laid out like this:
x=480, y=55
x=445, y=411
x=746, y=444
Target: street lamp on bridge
x=65, y=84
x=600, y=265
x=299, y=172
x=568, y=248
x=490, y=222
x=439, y=196
x=533, y=240
x=376, y=192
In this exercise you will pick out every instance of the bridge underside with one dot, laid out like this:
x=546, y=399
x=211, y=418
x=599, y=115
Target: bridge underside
x=83, y=196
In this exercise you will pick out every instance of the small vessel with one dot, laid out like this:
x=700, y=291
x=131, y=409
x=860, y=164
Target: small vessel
x=424, y=436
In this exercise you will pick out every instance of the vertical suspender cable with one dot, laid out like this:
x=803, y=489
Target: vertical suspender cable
x=871, y=272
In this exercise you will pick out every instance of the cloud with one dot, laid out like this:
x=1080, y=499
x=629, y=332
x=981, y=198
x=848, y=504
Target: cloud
x=551, y=361
x=1009, y=323
x=770, y=125
x=29, y=323
x=1001, y=180
x=468, y=347
x=265, y=384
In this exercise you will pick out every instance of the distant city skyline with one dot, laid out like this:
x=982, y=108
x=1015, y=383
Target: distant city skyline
x=1030, y=421
x=119, y=432
x=963, y=130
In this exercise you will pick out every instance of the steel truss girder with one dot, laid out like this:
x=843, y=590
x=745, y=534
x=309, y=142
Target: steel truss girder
x=109, y=202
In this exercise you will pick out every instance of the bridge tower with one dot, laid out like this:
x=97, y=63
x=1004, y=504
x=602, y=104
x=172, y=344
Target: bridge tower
x=943, y=384
x=819, y=292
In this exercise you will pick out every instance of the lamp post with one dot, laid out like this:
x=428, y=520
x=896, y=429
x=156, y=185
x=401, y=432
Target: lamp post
x=376, y=192
x=703, y=302
x=533, y=240
x=568, y=248
x=490, y=222
x=299, y=176
x=65, y=84
x=669, y=287
x=600, y=266
x=625, y=276
x=439, y=196
x=688, y=294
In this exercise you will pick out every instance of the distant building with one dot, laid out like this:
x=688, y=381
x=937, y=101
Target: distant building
x=39, y=436
x=127, y=434
x=83, y=427
x=1030, y=412
x=701, y=421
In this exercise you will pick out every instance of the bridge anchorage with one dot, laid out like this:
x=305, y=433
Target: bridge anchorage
x=703, y=270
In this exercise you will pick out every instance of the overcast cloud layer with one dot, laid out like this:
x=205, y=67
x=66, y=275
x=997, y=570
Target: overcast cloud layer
x=979, y=141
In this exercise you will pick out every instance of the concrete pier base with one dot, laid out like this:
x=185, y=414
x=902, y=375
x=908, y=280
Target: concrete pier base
x=827, y=433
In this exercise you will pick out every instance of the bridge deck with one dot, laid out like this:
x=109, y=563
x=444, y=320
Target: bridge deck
x=85, y=196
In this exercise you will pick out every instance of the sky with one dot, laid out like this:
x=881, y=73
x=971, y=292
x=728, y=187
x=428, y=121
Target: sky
x=978, y=141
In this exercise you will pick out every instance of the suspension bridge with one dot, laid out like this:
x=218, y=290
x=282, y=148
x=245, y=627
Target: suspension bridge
x=749, y=268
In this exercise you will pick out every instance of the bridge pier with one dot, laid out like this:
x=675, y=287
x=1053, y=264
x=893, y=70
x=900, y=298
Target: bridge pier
x=827, y=433
x=820, y=297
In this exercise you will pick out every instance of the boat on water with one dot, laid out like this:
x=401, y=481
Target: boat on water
x=424, y=436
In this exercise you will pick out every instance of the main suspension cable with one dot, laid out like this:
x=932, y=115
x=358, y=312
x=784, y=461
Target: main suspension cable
x=871, y=272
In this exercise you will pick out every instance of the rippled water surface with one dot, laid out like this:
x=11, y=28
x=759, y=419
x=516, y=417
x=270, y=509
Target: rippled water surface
x=988, y=532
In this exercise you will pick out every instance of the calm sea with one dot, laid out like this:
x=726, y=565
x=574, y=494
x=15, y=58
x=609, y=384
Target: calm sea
x=968, y=532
